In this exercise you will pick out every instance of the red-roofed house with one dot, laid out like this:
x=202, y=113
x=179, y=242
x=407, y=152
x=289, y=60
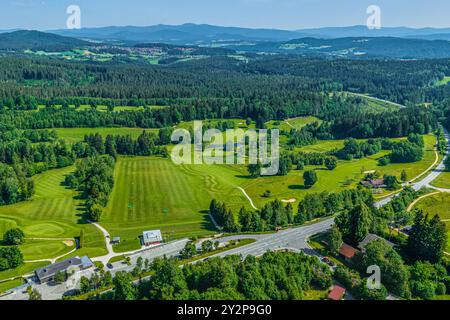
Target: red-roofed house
x=337, y=293
x=348, y=252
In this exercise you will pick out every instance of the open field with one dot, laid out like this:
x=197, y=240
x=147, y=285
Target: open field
x=443, y=181
x=375, y=105
x=444, y=81
x=294, y=123
x=53, y=212
x=72, y=135
x=153, y=193
x=322, y=146
x=437, y=204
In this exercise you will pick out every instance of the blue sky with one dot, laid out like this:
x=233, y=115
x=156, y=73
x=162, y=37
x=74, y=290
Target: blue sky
x=284, y=14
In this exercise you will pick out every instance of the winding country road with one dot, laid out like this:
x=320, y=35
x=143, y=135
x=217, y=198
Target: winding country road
x=425, y=182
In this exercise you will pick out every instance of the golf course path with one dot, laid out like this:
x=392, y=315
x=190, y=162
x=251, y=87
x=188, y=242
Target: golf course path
x=289, y=124
x=418, y=199
x=248, y=197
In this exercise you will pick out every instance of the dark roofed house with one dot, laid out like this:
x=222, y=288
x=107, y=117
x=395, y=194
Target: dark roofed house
x=375, y=183
x=370, y=238
x=337, y=293
x=47, y=273
x=348, y=252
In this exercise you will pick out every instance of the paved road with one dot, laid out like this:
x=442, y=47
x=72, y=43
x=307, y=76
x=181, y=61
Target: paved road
x=425, y=182
x=295, y=239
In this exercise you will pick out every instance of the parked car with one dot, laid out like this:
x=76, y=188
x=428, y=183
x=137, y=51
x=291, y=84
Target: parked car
x=328, y=261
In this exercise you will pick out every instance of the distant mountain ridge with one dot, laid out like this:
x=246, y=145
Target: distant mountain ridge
x=206, y=34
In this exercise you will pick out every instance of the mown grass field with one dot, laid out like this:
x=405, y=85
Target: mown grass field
x=53, y=212
x=443, y=181
x=437, y=204
x=72, y=135
x=294, y=123
x=154, y=193
x=44, y=249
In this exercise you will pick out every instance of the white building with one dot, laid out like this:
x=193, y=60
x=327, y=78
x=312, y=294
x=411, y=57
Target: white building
x=152, y=237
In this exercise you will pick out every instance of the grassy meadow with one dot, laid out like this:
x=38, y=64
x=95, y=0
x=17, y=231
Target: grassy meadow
x=438, y=204
x=72, y=135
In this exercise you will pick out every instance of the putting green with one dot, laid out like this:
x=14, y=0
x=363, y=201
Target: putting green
x=43, y=249
x=53, y=212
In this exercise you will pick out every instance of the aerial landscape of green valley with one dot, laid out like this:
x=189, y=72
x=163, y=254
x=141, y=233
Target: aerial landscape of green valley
x=200, y=163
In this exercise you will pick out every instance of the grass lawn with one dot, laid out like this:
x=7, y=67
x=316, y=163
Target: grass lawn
x=43, y=249
x=348, y=174
x=127, y=245
x=444, y=81
x=72, y=135
x=438, y=204
x=443, y=181
x=53, y=212
x=322, y=146
x=153, y=193
x=314, y=294
x=289, y=124
x=5, y=286
x=26, y=268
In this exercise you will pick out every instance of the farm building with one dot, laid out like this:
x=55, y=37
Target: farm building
x=152, y=237
x=375, y=183
x=47, y=273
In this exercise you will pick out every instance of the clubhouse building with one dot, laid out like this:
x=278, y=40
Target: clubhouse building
x=151, y=238
x=68, y=266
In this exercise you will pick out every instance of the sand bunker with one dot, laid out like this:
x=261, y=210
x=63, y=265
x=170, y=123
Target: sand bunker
x=289, y=201
x=68, y=243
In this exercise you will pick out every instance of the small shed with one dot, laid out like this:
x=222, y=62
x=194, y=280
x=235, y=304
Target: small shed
x=115, y=240
x=347, y=251
x=337, y=293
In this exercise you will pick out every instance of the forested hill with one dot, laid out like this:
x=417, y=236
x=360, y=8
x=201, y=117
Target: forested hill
x=355, y=48
x=36, y=40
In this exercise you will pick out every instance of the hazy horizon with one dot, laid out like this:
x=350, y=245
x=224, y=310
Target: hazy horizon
x=267, y=14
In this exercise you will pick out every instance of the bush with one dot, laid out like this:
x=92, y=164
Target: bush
x=14, y=237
